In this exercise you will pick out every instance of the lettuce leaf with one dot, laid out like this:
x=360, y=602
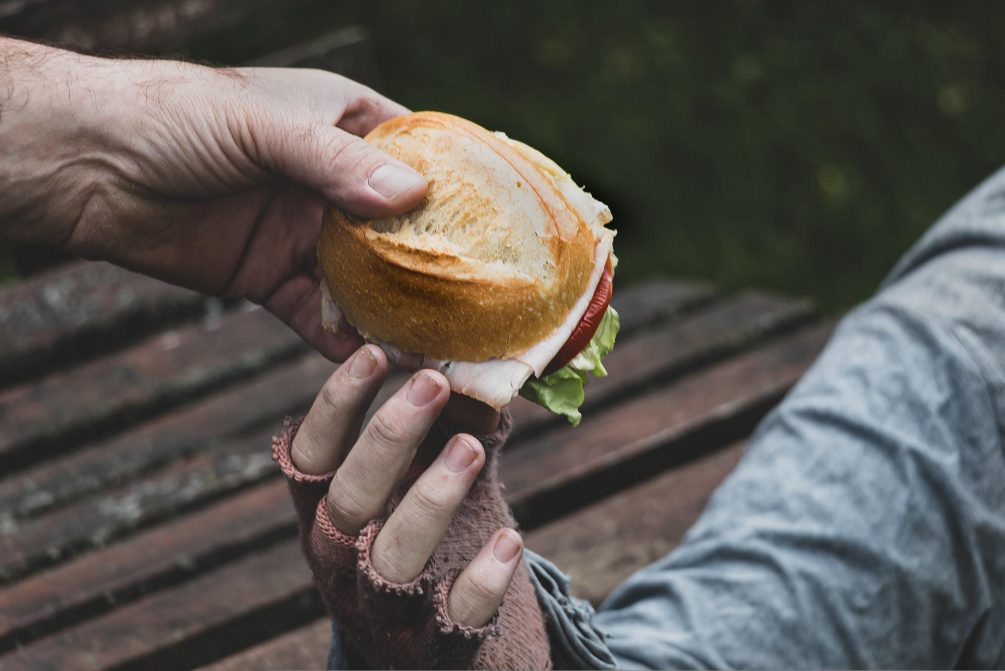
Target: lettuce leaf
x=563, y=392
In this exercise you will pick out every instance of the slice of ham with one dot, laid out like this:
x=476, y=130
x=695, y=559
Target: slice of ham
x=497, y=381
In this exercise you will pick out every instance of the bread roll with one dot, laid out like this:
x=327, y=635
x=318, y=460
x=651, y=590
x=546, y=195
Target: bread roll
x=490, y=263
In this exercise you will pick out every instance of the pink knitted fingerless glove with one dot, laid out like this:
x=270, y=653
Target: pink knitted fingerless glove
x=407, y=625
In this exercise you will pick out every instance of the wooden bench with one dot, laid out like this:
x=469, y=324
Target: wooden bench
x=142, y=523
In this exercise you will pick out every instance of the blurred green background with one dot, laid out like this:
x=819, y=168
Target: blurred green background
x=795, y=146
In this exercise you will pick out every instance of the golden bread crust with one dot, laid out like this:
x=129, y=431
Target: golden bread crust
x=489, y=264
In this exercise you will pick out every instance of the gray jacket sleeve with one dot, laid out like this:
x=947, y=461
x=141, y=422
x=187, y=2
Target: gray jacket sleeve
x=865, y=526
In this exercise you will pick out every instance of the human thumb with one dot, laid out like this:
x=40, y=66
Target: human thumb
x=352, y=174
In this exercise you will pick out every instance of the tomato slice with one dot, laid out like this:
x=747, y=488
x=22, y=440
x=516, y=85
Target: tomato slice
x=588, y=325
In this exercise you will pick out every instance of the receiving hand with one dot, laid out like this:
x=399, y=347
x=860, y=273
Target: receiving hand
x=405, y=528
x=369, y=466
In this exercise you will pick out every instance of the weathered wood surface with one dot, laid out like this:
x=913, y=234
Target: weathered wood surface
x=114, y=575
x=303, y=648
x=600, y=545
x=284, y=389
x=254, y=597
x=47, y=415
x=560, y=471
x=147, y=547
x=228, y=465
x=287, y=388
x=83, y=308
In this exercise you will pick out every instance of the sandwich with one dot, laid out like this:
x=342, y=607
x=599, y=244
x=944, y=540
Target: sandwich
x=501, y=279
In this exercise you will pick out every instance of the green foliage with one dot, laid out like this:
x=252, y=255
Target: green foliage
x=789, y=145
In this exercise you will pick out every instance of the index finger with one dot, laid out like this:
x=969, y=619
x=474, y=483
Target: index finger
x=378, y=461
x=332, y=423
x=366, y=109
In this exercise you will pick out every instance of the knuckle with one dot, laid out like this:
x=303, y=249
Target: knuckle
x=345, y=506
x=383, y=431
x=391, y=566
x=344, y=150
x=481, y=590
x=303, y=451
x=331, y=398
x=430, y=502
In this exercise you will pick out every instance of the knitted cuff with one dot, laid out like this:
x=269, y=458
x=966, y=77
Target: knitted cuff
x=447, y=628
x=371, y=584
x=424, y=635
x=331, y=552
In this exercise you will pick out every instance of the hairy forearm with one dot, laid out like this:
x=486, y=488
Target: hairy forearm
x=52, y=143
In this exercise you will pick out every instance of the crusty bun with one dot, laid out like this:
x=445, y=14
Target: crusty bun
x=489, y=264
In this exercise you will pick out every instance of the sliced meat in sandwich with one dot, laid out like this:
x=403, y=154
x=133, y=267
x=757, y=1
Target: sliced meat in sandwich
x=501, y=279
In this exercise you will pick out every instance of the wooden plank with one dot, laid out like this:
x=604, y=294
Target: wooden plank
x=52, y=537
x=654, y=302
x=286, y=390
x=78, y=310
x=101, y=519
x=602, y=544
x=51, y=415
x=166, y=554
x=197, y=622
x=598, y=546
x=296, y=382
x=713, y=406
x=303, y=648
x=706, y=335
x=560, y=470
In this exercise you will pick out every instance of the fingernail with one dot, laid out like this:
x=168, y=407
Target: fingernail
x=362, y=364
x=507, y=546
x=422, y=390
x=391, y=180
x=460, y=455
